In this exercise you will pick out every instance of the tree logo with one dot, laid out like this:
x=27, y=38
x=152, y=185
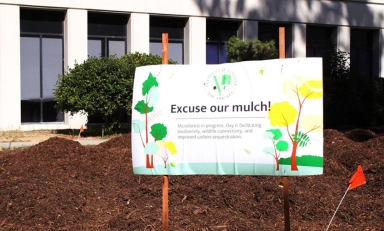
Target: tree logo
x=221, y=84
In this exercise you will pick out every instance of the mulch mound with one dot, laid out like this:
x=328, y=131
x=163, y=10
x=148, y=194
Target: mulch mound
x=62, y=185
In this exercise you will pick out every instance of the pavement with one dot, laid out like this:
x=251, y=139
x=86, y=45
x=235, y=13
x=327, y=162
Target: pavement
x=9, y=145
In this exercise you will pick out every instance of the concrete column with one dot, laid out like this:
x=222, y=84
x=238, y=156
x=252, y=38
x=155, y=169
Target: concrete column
x=248, y=30
x=10, y=112
x=75, y=51
x=344, y=38
x=296, y=44
x=138, y=33
x=195, y=41
x=75, y=37
x=378, y=54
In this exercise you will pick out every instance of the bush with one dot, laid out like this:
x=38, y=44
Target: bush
x=102, y=86
x=335, y=63
x=238, y=50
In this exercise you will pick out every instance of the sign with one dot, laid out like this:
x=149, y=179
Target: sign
x=246, y=118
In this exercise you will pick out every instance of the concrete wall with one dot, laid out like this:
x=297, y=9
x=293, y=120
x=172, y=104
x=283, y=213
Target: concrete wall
x=10, y=115
x=295, y=13
x=194, y=41
x=353, y=13
x=138, y=32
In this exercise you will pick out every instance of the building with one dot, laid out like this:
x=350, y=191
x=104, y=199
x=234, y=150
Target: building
x=39, y=39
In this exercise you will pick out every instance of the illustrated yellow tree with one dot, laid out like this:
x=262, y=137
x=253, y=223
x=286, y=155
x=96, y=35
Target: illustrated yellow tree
x=283, y=114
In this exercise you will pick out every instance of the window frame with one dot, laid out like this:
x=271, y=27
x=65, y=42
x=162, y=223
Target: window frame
x=41, y=35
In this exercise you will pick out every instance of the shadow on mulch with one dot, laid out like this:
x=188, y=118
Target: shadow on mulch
x=62, y=185
x=360, y=135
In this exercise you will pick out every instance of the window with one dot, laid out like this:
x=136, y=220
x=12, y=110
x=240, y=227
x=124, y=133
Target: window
x=107, y=34
x=362, y=51
x=319, y=39
x=41, y=48
x=270, y=31
x=218, y=33
x=175, y=29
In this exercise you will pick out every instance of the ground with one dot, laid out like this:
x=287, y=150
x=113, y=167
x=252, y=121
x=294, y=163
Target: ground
x=42, y=135
x=59, y=184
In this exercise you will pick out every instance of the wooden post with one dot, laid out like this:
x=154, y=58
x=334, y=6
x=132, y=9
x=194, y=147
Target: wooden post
x=285, y=178
x=281, y=42
x=164, y=49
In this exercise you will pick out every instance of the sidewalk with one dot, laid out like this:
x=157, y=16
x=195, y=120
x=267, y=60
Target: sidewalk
x=8, y=145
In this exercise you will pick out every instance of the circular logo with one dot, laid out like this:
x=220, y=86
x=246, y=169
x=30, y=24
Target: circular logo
x=221, y=84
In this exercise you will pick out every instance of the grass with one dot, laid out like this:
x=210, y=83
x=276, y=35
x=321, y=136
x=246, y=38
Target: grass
x=19, y=136
x=96, y=131
x=14, y=148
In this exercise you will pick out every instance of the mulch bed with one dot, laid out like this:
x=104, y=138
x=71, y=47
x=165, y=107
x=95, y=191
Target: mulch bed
x=62, y=185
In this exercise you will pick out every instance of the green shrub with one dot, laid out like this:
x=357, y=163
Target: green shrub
x=238, y=50
x=335, y=63
x=102, y=86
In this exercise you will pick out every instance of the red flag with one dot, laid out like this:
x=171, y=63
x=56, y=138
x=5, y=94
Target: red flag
x=82, y=128
x=357, y=179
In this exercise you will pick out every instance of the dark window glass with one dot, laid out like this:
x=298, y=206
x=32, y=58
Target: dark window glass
x=41, y=21
x=221, y=30
x=41, y=57
x=107, y=24
x=107, y=34
x=175, y=29
x=173, y=26
x=362, y=51
x=319, y=39
x=270, y=31
x=218, y=33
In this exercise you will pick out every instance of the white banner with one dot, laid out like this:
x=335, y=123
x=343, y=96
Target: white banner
x=247, y=118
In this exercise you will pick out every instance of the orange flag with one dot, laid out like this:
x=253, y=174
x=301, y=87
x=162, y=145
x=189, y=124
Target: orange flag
x=357, y=179
x=82, y=128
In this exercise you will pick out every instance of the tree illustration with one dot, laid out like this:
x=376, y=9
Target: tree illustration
x=281, y=145
x=283, y=114
x=158, y=131
x=165, y=150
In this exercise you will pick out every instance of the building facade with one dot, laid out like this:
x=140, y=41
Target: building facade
x=40, y=39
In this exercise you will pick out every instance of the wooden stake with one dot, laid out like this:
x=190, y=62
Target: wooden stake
x=165, y=203
x=282, y=42
x=285, y=178
x=164, y=49
x=286, y=204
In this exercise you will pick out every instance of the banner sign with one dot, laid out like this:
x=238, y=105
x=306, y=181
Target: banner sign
x=246, y=118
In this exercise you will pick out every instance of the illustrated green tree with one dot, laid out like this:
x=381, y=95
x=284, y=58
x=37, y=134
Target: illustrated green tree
x=283, y=114
x=277, y=147
x=158, y=131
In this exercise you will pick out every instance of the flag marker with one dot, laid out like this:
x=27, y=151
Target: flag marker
x=357, y=180
x=81, y=130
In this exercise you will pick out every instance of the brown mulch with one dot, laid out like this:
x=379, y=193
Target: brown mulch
x=62, y=185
